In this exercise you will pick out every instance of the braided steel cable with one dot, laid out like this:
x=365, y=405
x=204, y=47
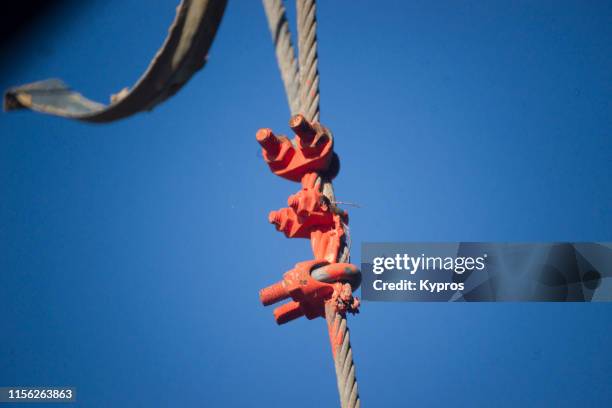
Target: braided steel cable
x=285, y=55
x=309, y=97
x=309, y=83
x=343, y=357
x=308, y=58
x=308, y=104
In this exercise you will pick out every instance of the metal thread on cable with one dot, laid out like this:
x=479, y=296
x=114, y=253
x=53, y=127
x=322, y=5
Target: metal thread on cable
x=285, y=55
x=343, y=357
x=308, y=58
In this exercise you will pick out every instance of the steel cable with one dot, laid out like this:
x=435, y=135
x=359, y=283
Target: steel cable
x=308, y=58
x=285, y=55
x=309, y=97
x=343, y=357
x=308, y=104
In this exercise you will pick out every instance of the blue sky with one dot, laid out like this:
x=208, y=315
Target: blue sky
x=131, y=254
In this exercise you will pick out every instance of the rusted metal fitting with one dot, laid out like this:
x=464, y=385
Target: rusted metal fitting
x=310, y=284
x=311, y=150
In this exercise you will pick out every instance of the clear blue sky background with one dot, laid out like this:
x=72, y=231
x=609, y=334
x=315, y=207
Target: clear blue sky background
x=131, y=254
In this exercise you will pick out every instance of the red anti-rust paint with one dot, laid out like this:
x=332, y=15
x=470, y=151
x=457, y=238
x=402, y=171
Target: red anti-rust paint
x=309, y=215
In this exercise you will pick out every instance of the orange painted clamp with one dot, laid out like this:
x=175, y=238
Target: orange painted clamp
x=309, y=198
x=308, y=211
x=295, y=226
x=309, y=284
x=325, y=243
x=310, y=151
